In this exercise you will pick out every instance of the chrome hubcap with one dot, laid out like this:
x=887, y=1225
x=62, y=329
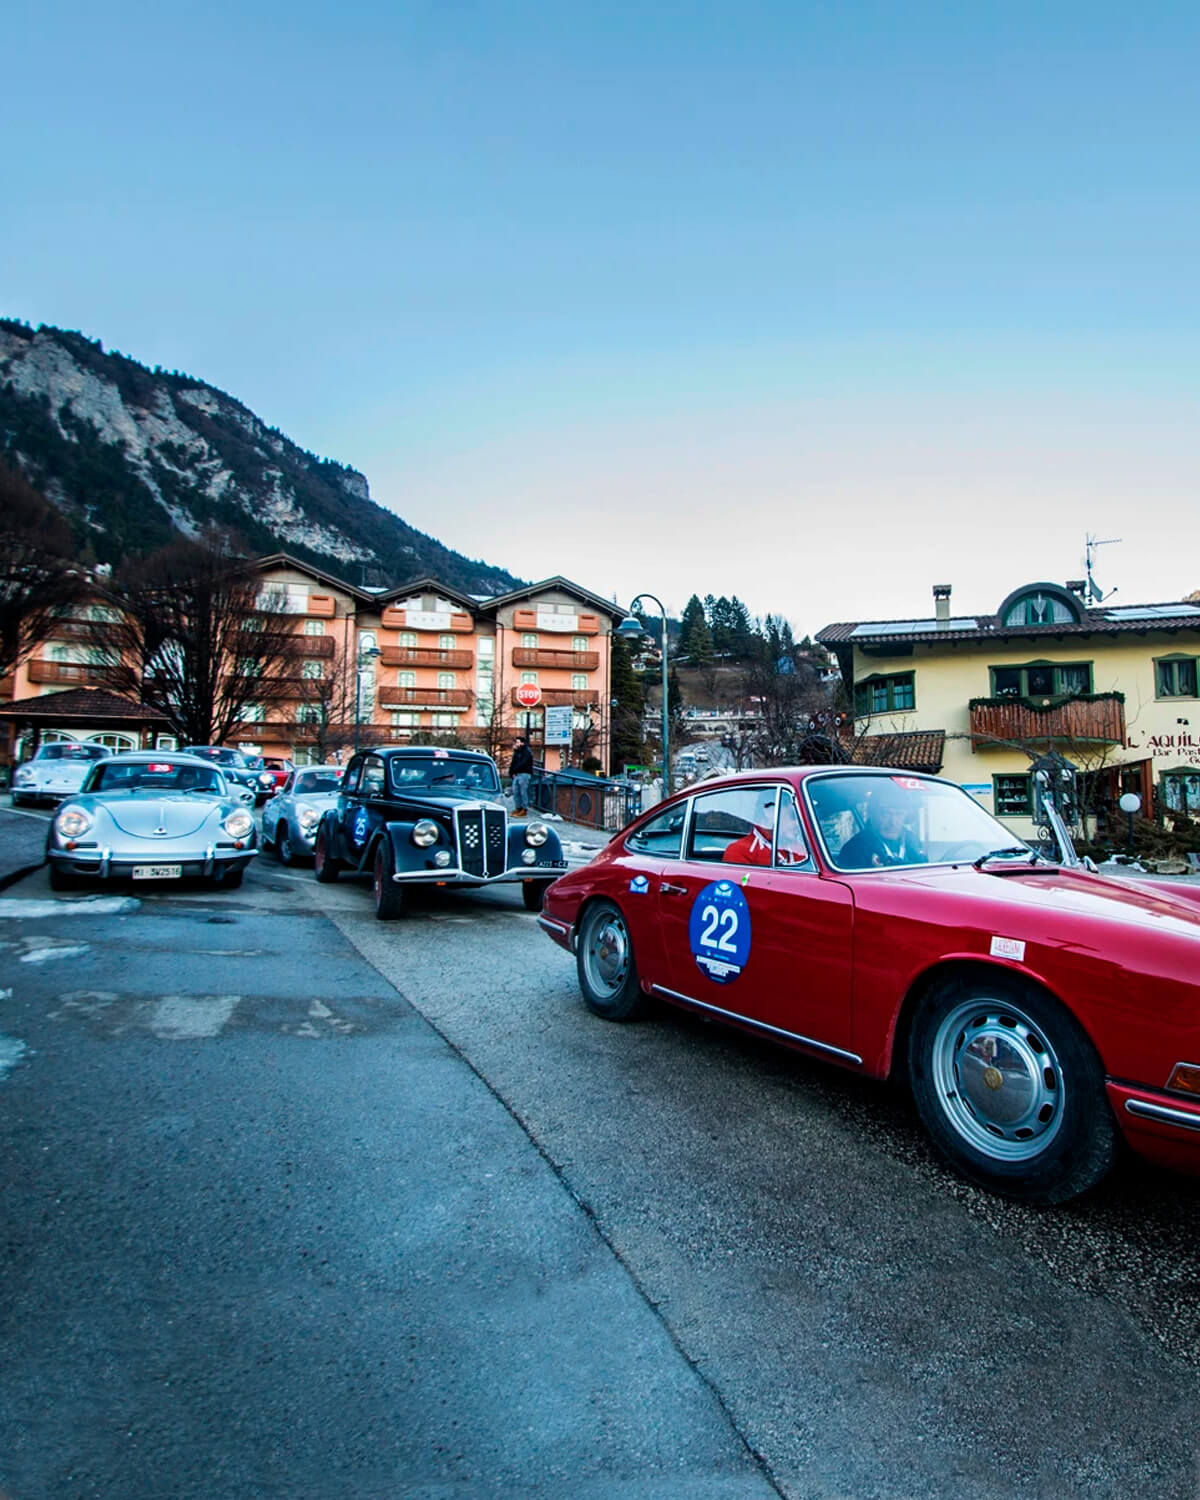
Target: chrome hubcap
x=608, y=954
x=998, y=1079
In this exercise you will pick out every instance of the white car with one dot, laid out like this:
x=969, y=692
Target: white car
x=55, y=771
x=290, y=819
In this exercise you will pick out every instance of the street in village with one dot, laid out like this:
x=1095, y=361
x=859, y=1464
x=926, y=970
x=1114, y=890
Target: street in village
x=298, y=1203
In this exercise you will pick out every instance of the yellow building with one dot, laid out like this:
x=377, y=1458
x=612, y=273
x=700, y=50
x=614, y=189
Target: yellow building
x=1114, y=688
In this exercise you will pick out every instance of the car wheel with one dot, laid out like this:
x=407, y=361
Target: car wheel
x=283, y=845
x=533, y=893
x=607, y=971
x=17, y=800
x=1011, y=1089
x=325, y=867
x=389, y=898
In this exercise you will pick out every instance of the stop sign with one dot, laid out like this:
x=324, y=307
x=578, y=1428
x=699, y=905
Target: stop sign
x=529, y=695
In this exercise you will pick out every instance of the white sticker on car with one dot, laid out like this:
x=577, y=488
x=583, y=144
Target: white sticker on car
x=1008, y=948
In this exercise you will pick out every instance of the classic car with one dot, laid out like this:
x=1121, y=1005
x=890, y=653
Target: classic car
x=54, y=771
x=238, y=767
x=290, y=818
x=414, y=815
x=1041, y=1014
x=153, y=815
x=280, y=770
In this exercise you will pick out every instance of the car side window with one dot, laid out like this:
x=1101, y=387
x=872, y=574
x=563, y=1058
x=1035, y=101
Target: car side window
x=287, y=786
x=734, y=826
x=662, y=835
x=350, y=780
x=791, y=847
x=374, y=777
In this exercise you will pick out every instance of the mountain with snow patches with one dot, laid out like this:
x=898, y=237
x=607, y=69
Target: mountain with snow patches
x=136, y=457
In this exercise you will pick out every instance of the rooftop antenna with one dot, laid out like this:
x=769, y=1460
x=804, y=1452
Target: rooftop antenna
x=1094, y=593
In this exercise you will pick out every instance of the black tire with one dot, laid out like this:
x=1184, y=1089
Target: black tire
x=389, y=898
x=605, y=963
x=229, y=880
x=284, y=851
x=62, y=880
x=1011, y=1089
x=16, y=799
x=533, y=893
x=325, y=867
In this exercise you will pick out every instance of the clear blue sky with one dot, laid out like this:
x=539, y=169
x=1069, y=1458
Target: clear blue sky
x=815, y=303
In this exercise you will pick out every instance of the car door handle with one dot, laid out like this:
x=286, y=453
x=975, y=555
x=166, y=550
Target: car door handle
x=667, y=889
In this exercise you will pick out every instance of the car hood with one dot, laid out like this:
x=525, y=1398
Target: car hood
x=447, y=801
x=1074, y=892
x=318, y=801
x=60, y=773
x=159, y=816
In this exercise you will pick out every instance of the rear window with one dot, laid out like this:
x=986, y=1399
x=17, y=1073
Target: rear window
x=72, y=752
x=309, y=782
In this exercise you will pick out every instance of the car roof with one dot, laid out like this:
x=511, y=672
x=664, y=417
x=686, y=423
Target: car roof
x=801, y=773
x=146, y=757
x=414, y=752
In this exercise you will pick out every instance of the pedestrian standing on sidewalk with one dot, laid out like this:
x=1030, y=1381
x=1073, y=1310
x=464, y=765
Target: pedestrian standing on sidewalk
x=521, y=770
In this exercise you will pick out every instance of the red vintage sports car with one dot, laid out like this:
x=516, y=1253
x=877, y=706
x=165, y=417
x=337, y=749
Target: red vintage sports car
x=886, y=922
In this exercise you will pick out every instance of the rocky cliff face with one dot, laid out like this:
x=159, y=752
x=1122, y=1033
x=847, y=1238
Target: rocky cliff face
x=135, y=457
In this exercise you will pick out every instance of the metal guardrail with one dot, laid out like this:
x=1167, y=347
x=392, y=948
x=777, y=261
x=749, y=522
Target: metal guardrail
x=590, y=801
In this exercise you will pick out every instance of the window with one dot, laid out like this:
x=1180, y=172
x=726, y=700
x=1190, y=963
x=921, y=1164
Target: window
x=252, y=623
x=579, y=643
x=166, y=742
x=662, y=835
x=1042, y=679
x=308, y=713
x=314, y=627
x=529, y=718
x=405, y=720
x=445, y=642
x=248, y=667
x=253, y=713
x=1012, y=796
x=408, y=639
x=1175, y=677
x=445, y=679
x=529, y=640
x=529, y=677
x=1181, y=791
x=486, y=646
x=373, y=777
x=445, y=721
x=406, y=679
x=880, y=695
x=579, y=682
x=311, y=669
x=735, y=826
x=1039, y=609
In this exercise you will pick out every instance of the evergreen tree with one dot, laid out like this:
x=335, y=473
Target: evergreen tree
x=695, y=641
x=628, y=747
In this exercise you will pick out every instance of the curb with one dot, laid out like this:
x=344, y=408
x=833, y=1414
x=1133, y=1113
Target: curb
x=14, y=875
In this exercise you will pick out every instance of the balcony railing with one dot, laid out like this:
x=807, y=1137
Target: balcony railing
x=570, y=661
x=426, y=656
x=561, y=698
x=394, y=618
x=422, y=697
x=1096, y=718
x=65, y=673
x=528, y=619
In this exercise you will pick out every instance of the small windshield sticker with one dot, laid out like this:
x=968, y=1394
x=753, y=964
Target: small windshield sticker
x=1008, y=948
x=719, y=931
x=441, y=755
x=639, y=885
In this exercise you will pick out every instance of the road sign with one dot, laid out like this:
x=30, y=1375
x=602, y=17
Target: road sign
x=558, y=726
x=529, y=695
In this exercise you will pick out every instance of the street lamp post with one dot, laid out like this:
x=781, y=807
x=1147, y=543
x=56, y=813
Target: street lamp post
x=365, y=656
x=631, y=628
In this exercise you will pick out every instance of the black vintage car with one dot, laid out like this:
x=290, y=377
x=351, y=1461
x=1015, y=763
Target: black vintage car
x=412, y=814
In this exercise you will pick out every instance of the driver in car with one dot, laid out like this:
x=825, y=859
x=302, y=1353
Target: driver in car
x=884, y=838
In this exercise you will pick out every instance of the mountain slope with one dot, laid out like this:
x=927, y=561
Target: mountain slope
x=135, y=457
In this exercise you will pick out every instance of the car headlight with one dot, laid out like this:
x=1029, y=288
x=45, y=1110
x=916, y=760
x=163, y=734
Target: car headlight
x=309, y=818
x=23, y=775
x=425, y=832
x=266, y=780
x=71, y=822
x=536, y=833
x=238, y=824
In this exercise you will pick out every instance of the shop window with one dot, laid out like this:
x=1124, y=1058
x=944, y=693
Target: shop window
x=1175, y=677
x=1180, y=791
x=880, y=695
x=1013, y=796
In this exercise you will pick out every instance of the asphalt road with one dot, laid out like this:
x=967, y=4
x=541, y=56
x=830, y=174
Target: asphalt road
x=299, y=1203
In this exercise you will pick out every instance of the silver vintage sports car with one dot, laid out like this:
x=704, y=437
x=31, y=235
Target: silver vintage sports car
x=153, y=815
x=289, y=820
x=55, y=771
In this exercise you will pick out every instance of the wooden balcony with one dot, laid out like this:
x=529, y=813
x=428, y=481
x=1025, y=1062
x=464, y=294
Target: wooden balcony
x=1094, y=718
x=394, y=618
x=426, y=656
x=322, y=646
x=6, y=686
x=562, y=698
x=65, y=673
x=527, y=619
x=424, y=697
x=568, y=661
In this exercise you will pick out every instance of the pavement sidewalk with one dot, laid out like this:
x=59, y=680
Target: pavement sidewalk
x=22, y=844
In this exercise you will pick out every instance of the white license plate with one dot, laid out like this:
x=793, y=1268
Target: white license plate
x=158, y=872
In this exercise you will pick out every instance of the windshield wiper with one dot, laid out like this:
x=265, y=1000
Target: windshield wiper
x=1031, y=855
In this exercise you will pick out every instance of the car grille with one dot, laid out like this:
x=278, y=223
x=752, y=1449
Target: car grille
x=482, y=839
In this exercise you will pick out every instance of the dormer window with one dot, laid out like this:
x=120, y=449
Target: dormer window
x=1040, y=604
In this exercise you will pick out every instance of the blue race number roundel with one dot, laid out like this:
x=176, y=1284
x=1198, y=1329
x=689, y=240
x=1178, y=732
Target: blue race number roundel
x=358, y=829
x=719, y=931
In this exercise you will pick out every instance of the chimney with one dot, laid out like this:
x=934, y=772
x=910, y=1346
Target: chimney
x=1078, y=587
x=941, y=602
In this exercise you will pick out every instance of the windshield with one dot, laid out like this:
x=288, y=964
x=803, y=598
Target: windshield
x=871, y=822
x=308, y=782
x=222, y=757
x=72, y=752
x=445, y=772
x=156, y=775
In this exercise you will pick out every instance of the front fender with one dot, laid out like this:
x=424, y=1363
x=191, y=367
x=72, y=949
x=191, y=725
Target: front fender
x=405, y=854
x=548, y=853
